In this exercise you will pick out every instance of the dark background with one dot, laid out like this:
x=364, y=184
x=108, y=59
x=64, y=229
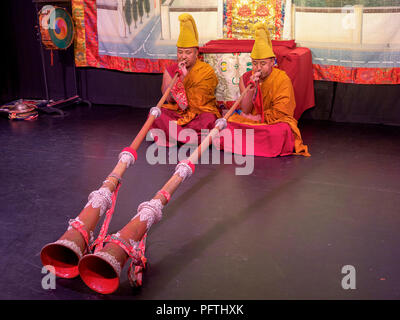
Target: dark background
x=22, y=77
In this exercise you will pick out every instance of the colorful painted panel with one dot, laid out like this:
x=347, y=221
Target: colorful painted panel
x=241, y=15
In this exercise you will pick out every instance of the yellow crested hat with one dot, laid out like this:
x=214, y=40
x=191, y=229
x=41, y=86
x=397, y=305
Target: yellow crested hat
x=188, y=36
x=262, y=48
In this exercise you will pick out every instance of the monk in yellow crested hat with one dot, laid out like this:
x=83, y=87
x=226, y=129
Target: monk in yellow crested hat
x=191, y=103
x=262, y=54
x=188, y=43
x=188, y=35
x=262, y=48
x=269, y=101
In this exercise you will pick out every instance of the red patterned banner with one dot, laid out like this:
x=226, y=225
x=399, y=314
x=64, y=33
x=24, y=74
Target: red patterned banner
x=357, y=75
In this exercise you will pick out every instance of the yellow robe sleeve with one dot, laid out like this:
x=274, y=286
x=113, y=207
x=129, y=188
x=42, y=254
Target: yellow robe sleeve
x=200, y=84
x=280, y=107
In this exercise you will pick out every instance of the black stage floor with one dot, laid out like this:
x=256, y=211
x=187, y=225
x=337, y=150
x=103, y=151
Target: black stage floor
x=283, y=232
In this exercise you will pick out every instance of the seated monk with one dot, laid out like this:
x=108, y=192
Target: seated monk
x=191, y=103
x=267, y=108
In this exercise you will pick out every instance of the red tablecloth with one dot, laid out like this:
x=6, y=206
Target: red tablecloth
x=295, y=61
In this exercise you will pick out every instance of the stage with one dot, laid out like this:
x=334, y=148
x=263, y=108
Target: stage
x=283, y=232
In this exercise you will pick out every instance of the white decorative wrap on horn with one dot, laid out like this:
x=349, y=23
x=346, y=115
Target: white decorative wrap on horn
x=221, y=123
x=134, y=249
x=127, y=158
x=100, y=199
x=183, y=170
x=150, y=211
x=155, y=111
x=111, y=260
x=133, y=243
x=71, y=245
x=91, y=235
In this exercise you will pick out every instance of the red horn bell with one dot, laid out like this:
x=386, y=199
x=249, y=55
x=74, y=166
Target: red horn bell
x=101, y=271
x=64, y=254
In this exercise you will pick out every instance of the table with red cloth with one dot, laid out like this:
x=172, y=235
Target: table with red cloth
x=230, y=58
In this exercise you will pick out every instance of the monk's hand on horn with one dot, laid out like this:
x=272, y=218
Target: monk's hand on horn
x=182, y=69
x=255, y=77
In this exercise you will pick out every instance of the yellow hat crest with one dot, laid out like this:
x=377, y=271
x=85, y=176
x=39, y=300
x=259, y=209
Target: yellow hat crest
x=188, y=36
x=262, y=48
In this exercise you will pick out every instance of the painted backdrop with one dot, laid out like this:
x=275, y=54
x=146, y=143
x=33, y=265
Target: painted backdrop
x=354, y=41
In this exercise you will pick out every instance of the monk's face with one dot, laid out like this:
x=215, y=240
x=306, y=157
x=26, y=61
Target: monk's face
x=187, y=55
x=264, y=66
